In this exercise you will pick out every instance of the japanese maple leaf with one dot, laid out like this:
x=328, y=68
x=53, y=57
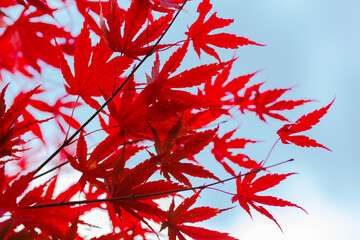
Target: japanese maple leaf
x=101, y=160
x=176, y=217
x=28, y=117
x=10, y=192
x=127, y=223
x=94, y=73
x=158, y=103
x=217, y=93
x=122, y=34
x=199, y=33
x=86, y=7
x=161, y=101
x=175, y=148
x=53, y=221
x=11, y=128
x=57, y=110
x=166, y=85
x=166, y=5
x=221, y=152
x=125, y=182
x=247, y=190
x=304, y=123
x=8, y=3
x=245, y=100
x=267, y=103
x=128, y=112
x=21, y=37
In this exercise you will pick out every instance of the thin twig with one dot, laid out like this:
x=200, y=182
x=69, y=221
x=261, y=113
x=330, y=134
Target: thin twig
x=66, y=162
x=50, y=170
x=59, y=204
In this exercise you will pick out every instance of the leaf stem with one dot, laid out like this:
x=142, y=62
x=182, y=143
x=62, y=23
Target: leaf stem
x=66, y=162
x=216, y=189
x=50, y=170
x=272, y=148
x=72, y=117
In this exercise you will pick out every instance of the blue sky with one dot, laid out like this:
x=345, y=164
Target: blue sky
x=313, y=44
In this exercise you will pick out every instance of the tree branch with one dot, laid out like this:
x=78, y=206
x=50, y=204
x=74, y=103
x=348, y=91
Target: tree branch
x=59, y=204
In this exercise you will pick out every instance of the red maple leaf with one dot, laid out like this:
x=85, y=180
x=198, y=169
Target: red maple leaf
x=199, y=33
x=11, y=128
x=164, y=85
x=167, y=5
x=247, y=189
x=132, y=20
x=267, y=103
x=100, y=162
x=94, y=73
x=175, y=148
x=19, y=39
x=125, y=182
x=221, y=152
x=304, y=123
x=161, y=101
x=53, y=221
x=177, y=217
x=86, y=7
x=128, y=111
x=57, y=110
x=217, y=93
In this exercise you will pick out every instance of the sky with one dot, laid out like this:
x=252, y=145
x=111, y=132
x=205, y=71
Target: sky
x=313, y=45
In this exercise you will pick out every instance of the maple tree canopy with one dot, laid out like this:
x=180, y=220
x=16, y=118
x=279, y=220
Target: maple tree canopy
x=132, y=138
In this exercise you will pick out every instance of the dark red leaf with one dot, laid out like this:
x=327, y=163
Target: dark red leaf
x=304, y=123
x=131, y=21
x=177, y=217
x=222, y=152
x=20, y=39
x=11, y=129
x=247, y=189
x=94, y=71
x=199, y=33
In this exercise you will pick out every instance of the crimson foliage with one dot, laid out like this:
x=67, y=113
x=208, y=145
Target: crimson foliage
x=153, y=124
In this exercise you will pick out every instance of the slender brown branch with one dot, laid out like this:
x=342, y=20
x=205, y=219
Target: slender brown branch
x=59, y=204
x=72, y=117
x=66, y=162
x=66, y=143
x=50, y=170
x=116, y=72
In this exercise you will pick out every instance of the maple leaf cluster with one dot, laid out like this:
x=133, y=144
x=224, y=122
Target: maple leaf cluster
x=153, y=124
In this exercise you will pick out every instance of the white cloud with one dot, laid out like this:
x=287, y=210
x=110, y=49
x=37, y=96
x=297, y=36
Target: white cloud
x=325, y=221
